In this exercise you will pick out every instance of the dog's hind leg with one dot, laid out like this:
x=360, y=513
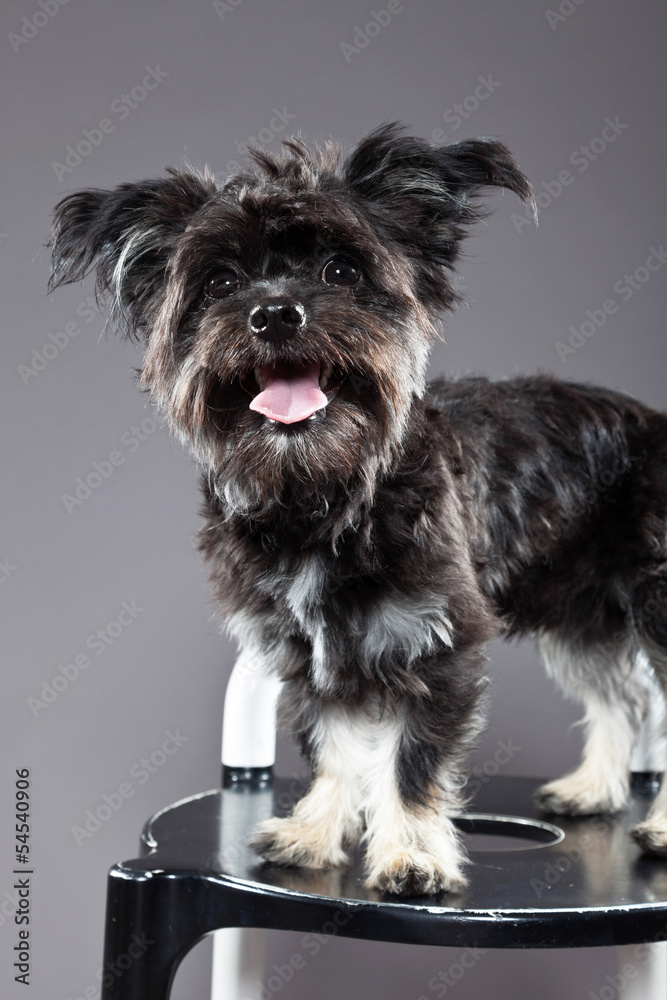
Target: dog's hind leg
x=612, y=682
x=651, y=618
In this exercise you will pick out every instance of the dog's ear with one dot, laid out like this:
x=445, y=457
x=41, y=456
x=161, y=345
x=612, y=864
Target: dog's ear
x=428, y=195
x=128, y=233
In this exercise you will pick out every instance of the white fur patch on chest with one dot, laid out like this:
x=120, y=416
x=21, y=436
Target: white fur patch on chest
x=391, y=627
x=394, y=626
x=404, y=625
x=305, y=590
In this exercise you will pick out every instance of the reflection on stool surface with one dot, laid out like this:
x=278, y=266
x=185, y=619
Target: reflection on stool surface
x=535, y=881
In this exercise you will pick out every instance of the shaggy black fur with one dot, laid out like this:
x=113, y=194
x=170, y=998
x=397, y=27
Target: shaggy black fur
x=369, y=552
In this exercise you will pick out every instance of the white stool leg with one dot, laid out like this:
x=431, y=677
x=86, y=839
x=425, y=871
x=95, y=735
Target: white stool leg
x=649, y=751
x=248, y=741
x=642, y=972
x=249, y=720
x=642, y=969
x=238, y=963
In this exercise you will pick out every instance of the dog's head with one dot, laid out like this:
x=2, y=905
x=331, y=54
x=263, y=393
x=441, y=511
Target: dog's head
x=287, y=314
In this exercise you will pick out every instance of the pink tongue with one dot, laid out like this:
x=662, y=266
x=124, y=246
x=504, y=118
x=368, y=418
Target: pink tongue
x=290, y=394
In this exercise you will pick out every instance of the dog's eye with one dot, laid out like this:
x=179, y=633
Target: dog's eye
x=222, y=283
x=340, y=272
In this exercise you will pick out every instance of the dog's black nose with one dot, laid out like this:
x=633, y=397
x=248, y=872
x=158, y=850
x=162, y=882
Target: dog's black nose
x=277, y=319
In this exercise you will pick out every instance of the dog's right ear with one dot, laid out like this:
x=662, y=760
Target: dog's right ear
x=128, y=233
x=427, y=197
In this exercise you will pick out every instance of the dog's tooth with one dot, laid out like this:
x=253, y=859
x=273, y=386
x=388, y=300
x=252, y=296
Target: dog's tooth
x=327, y=372
x=259, y=378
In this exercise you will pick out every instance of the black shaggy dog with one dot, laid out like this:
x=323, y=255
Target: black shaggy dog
x=367, y=533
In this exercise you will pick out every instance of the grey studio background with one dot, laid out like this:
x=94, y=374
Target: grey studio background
x=194, y=81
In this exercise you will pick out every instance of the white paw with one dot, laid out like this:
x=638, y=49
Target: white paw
x=408, y=872
x=582, y=794
x=290, y=842
x=651, y=835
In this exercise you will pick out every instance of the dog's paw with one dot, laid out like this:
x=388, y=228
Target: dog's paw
x=577, y=794
x=414, y=873
x=651, y=835
x=289, y=842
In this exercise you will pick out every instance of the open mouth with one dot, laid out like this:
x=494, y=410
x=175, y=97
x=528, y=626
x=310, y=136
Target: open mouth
x=289, y=392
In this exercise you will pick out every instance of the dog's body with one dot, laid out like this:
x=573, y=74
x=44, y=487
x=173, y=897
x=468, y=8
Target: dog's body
x=368, y=535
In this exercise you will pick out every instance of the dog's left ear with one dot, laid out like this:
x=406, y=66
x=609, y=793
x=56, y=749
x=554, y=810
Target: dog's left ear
x=427, y=195
x=128, y=234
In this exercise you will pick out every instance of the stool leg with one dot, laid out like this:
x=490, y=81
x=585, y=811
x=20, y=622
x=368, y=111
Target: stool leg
x=642, y=968
x=248, y=742
x=249, y=716
x=152, y=922
x=238, y=963
x=642, y=972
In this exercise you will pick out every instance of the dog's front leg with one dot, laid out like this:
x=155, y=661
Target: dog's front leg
x=395, y=766
x=412, y=848
x=412, y=790
x=415, y=783
x=372, y=771
x=329, y=816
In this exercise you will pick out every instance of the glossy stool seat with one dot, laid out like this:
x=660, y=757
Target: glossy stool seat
x=536, y=881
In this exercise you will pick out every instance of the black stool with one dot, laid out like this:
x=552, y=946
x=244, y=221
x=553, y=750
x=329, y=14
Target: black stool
x=565, y=883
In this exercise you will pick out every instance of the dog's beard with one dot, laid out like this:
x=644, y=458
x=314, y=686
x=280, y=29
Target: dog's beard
x=258, y=466
x=336, y=453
